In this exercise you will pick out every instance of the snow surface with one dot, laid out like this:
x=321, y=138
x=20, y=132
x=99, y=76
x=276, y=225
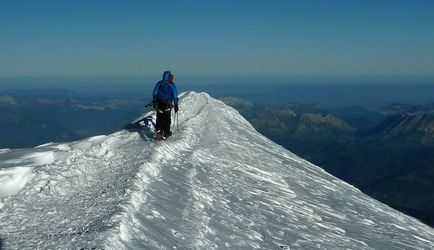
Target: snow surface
x=216, y=183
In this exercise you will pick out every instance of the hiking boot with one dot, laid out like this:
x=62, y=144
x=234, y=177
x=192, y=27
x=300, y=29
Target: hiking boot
x=159, y=136
x=167, y=134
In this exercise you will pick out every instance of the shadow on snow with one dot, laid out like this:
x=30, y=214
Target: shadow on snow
x=144, y=127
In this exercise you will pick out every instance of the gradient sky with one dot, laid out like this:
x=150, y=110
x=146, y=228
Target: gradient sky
x=226, y=37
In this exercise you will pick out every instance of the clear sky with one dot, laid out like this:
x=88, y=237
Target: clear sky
x=225, y=37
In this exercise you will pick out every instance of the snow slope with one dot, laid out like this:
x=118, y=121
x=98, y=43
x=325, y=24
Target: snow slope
x=216, y=183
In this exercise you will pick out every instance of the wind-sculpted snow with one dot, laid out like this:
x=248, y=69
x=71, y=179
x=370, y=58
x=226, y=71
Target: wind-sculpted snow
x=216, y=183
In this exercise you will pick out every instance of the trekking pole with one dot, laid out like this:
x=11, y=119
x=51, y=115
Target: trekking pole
x=177, y=121
x=172, y=125
x=148, y=105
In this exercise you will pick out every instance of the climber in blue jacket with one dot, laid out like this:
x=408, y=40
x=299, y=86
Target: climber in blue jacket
x=165, y=96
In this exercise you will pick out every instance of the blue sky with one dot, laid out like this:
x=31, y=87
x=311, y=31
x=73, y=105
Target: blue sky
x=262, y=38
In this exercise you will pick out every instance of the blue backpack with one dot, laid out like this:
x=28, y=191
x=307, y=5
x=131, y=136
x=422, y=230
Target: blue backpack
x=165, y=91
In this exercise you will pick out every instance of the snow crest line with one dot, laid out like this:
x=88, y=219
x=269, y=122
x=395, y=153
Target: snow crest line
x=222, y=185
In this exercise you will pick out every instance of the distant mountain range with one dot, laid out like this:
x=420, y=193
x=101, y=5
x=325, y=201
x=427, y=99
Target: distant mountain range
x=387, y=153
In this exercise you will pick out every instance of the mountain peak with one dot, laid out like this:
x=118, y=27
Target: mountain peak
x=216, y=183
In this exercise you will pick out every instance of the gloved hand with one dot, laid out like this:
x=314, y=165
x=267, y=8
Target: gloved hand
x=176, y=108
x=154, y=105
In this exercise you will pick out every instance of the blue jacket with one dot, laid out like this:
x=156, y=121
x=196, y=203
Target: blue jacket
x=165, y=90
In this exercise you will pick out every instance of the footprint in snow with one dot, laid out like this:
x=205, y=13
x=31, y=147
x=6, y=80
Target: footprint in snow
x=177, y=234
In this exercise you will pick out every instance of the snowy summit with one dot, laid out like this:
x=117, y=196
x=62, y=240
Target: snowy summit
x=215, y=183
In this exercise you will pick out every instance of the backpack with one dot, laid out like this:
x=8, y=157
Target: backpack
x=165, y=90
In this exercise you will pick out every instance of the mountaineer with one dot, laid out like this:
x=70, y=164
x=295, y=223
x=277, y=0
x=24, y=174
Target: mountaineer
x=165, y=97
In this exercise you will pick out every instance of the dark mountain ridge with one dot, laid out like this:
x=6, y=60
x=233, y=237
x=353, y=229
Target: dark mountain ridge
x=31, y=118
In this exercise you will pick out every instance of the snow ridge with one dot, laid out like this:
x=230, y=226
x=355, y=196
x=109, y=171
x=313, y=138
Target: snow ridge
x=216, y=183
